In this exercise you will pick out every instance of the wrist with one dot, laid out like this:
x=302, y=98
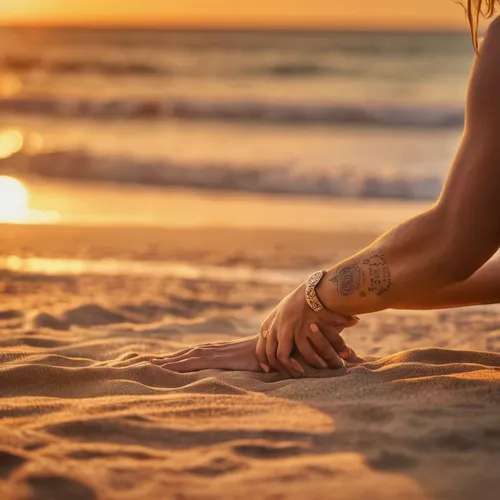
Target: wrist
x=324, y=291
x=315, y=292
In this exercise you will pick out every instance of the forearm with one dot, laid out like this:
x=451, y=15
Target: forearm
x=416, y=259
x=483, y=287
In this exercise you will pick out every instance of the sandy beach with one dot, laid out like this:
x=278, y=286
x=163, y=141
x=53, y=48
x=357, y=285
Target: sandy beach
x=165, y=188
x=84, y=415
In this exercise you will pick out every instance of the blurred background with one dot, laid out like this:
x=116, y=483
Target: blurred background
x=281, y=116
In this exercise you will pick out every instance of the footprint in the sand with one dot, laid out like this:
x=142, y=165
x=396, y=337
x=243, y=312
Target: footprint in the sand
x=58, y=488
x=9, y=462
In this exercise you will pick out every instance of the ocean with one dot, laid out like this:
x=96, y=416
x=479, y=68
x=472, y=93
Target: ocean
x=358, y=115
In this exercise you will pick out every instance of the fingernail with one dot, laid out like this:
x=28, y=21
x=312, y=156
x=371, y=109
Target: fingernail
x=298, y=366
x=265, y=368
x=314, y=327
x=346, y=354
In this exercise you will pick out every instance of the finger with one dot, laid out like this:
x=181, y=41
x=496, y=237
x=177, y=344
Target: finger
x=308, y=353
x=268, y=322
x=260, y=352
x=284, y=353
x=355, y=359
x=189, y=352
x=192, y=351
x=158, y=361
x=192, y=364
x=338, y=343
x=179, y=356
x=174, y=354
x=339, y=319
x=353, y=321
x=272, y=353
x=164, y=359
x=324, y=348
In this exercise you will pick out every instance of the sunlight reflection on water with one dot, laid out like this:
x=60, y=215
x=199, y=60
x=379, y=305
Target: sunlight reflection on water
x=14, y=204
x=11, y=142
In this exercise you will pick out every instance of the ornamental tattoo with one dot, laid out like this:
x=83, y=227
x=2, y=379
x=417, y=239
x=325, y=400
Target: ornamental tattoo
x=348, y=280
x=372, y=275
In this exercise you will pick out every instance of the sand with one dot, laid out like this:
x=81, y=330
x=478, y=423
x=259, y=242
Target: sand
x=84, y=415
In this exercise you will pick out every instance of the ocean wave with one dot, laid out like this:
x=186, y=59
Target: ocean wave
x=21, y=64
x=79, y=165
x=299, y=69
x=260, y=111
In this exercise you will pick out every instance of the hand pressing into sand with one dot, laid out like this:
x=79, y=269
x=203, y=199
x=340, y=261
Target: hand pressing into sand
x=231, y=355
x=315, y=335
x=238, y=355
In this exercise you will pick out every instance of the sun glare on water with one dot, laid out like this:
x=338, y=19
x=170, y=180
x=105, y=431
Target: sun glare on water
x=14, y=200
x=15, y=207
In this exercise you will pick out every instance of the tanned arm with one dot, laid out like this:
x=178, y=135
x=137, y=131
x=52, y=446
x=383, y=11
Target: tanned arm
x=483, y=287
x=447, y=244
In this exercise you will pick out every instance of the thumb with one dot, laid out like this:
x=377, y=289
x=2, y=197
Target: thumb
x=351, y=321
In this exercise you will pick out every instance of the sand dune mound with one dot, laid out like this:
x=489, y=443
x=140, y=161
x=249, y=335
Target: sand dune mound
x=85, y=415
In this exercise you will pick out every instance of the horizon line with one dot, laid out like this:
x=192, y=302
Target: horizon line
x=361, y=28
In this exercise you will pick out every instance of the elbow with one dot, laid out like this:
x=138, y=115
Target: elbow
x=458, y=273
x=462, y=251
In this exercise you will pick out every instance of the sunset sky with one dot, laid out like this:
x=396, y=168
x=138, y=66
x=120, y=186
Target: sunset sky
x=345, y=13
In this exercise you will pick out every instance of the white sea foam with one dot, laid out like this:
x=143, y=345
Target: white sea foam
x=79, y=165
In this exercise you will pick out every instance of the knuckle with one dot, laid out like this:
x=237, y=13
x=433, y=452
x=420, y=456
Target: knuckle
x=266, y=323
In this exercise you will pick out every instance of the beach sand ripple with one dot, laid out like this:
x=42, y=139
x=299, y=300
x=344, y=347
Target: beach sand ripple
x=84, y=415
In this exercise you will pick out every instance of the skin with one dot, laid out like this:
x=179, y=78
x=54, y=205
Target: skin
x=440, y=258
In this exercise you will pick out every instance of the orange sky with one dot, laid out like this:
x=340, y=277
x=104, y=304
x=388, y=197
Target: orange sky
x=347, y=13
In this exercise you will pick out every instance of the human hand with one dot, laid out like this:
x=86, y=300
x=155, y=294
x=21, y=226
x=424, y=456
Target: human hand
x=316, y=335
x=229, y=355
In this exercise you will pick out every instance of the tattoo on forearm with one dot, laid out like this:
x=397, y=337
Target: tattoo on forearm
x=371, y=275
x=348, y=279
